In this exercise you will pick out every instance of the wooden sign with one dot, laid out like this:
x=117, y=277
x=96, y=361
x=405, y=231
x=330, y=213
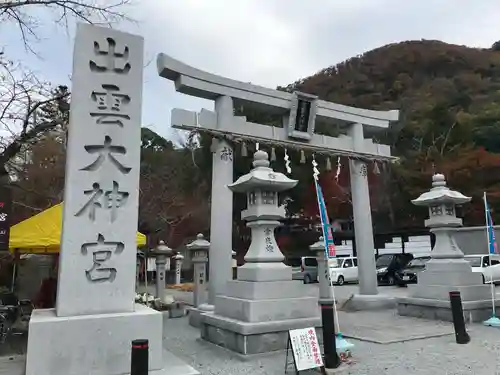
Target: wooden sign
x=305, y=348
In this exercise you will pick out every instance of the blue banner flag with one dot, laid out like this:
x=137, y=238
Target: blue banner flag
x=325, y=223
x=492, y=241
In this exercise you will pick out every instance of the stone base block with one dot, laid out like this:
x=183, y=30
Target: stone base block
x=194, y=316
x=252, y=338
x=267, y=309
x=441, y=292
x=266, y=290
x=450, y=278
x=474, y=311
x=264, y=272
x=360, y=302
x=95, y=344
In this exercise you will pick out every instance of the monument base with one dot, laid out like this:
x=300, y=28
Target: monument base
x=430, y=299
x=254, y=317
x=96, y=344
x=474, y=311
x=252, y=338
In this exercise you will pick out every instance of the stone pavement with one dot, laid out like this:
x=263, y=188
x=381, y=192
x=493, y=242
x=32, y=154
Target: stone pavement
x=437, y=355
x=386, y=344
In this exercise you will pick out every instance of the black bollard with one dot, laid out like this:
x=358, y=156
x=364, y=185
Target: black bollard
x=332, y=359
x=457, y=312
x=139, y=362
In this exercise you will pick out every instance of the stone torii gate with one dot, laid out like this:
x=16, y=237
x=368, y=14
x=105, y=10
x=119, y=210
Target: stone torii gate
x=300, y=113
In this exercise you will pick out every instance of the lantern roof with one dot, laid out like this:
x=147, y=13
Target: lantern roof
x=262, y=177
x=440, y=193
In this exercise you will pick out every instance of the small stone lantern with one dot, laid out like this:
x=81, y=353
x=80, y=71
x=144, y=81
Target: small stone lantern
x=199, y=256
x=178, y=267
x=261, y=185
x=235, y=264
x=162, y=254
x=325, y=290
x=442, y=216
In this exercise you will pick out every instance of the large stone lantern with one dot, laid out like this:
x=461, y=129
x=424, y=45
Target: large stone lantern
x=447, y=270
x=261, y=185
x=259, y=308
x=441, y=202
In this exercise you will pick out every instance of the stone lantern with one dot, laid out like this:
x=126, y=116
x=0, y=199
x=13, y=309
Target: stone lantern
x=199, y=256
x=261, y=185
x=447, y=270
x=325, y=290
x=162, y=254
x=259, y=307
x=441, y=202
x=178, y=267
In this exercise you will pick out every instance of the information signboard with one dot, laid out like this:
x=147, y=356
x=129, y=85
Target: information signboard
x=305, y=349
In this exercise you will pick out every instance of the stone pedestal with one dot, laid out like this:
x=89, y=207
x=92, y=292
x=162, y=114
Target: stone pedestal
x=447, y=271
x=258, y=309
x=96, y=344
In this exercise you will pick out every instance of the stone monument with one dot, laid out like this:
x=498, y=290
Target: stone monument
x=259, y=308
x=95, y=320
x=199, y=256
x=178, y=267
x=300, y=112
x=447, y=271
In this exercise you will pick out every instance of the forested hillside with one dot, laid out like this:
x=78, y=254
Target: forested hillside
x=449, y=98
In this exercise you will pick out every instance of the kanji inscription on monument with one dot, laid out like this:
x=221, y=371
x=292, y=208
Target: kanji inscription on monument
x=98, y=255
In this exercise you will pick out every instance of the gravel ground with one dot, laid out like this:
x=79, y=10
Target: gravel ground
x=421, y=357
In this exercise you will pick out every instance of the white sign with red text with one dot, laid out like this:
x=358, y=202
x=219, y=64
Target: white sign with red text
x=305, y=347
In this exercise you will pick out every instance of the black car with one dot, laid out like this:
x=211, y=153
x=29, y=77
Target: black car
x=387, y=266
x=408, y=275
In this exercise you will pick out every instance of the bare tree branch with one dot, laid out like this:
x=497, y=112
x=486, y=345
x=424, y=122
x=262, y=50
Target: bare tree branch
x=98, y=12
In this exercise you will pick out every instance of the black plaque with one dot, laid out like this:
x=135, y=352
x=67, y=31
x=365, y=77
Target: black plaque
x=303, y=113
x=5, y=211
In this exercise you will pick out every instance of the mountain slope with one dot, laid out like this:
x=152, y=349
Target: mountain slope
x=449, y=97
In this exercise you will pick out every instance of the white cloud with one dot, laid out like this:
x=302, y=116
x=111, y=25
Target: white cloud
x=272, y=42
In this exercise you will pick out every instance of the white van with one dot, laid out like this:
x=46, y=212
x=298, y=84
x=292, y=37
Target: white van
x=343, y=270
x=487, y=265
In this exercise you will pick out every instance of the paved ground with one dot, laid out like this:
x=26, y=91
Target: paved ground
x=379, y=356
x=439, y=355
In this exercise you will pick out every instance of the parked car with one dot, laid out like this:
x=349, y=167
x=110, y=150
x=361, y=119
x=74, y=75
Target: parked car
x=388, y=264
x=481, y=263
x=304, y=268
x=344, y=270
x=409, y=274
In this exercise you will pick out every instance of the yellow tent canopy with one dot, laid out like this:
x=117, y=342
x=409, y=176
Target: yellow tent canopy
x=42, y=233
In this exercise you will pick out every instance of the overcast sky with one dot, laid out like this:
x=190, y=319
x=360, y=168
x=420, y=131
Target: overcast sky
x=266, y=42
